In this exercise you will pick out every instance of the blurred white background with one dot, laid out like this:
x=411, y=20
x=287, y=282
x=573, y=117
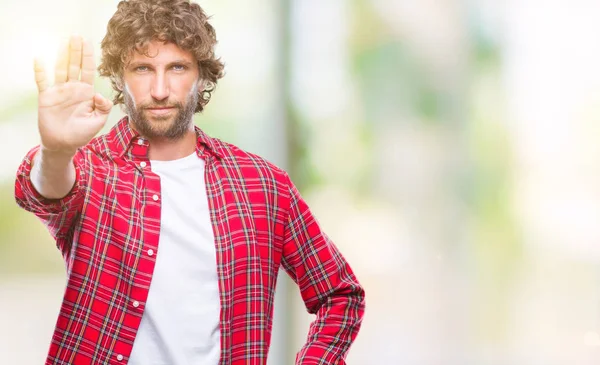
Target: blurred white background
x=450, y=149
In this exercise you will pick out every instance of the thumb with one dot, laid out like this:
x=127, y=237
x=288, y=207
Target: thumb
x=101, y=104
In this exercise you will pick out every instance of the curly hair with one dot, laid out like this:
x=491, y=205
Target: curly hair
x=138, y=22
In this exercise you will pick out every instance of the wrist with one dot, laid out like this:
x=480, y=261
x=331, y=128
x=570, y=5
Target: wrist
x=56, y=156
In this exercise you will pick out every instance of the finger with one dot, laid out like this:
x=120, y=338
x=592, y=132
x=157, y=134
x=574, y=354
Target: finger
x=62, y=63
x=75, y=49
x=101, y=104
x=40, y=75
x=88, y=67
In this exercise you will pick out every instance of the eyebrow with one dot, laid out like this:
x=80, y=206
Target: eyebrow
x=135, y=64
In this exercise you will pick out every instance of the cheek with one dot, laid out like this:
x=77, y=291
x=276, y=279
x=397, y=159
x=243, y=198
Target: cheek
x=184, y=85
x=139, y=93
x=183, y=89
x=137, y=83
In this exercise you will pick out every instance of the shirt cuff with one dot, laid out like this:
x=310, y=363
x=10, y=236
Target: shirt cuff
x=28, y=196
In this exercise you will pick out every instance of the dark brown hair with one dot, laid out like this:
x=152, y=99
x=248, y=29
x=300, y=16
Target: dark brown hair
x=138, y=22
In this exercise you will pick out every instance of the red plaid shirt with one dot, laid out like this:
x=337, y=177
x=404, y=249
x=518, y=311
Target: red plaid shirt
x=108, y=226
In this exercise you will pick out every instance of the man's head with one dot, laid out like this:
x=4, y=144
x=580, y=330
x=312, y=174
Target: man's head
x=160, y=54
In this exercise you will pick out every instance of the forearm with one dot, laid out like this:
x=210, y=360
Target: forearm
x=327, y=284
x=334, y=329
x=53, y=173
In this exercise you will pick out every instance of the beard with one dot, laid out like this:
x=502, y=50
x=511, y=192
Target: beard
x=160, y=126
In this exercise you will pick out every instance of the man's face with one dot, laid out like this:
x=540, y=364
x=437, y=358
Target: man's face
x=161, y=92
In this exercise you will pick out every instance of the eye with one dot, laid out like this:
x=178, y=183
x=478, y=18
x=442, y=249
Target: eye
x=179, y=68
x=141, y=68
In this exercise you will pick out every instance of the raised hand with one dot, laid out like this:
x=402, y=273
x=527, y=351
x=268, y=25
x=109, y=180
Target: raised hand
x=70, y=113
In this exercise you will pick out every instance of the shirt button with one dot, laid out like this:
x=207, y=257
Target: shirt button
x=136, y=304
x=119, y=357
x=143, y=164
x=155, y=197
x=150, y=252
x=141, y=141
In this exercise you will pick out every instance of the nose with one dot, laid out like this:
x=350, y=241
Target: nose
x=160, y=87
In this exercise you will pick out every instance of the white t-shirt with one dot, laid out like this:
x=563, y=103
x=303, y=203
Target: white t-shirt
x=180, y=324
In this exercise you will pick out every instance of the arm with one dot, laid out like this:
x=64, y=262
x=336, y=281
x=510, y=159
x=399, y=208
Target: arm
x=53, y=173
x=327, y=285
x=49, y=181
x=46, y=188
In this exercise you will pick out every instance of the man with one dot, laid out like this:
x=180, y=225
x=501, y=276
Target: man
x=172, y=239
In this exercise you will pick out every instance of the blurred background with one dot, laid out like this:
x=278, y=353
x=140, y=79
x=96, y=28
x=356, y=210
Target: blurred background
x=449, y=148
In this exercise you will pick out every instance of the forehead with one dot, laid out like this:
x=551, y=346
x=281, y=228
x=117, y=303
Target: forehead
x=158, y=52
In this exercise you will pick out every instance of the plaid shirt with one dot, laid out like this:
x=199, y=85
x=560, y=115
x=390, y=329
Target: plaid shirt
x=108, y=226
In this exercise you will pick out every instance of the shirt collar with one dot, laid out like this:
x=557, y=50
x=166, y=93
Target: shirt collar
x=123, y=138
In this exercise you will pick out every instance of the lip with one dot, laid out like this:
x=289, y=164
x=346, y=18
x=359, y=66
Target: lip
x=160, y=111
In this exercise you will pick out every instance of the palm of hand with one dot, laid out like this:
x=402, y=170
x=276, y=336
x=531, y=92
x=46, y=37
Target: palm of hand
x=66, y=115
x=70, y=114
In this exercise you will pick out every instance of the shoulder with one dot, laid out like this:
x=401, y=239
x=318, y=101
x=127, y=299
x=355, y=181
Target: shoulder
x=95, y=152
x=249, y=165
x=100, y=147
x=112, y=144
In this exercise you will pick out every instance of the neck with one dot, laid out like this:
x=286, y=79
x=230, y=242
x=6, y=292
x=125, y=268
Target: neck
x=162, y=149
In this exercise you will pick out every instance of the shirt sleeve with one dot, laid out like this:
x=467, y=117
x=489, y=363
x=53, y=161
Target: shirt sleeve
x=327, y=284
x=58, y=215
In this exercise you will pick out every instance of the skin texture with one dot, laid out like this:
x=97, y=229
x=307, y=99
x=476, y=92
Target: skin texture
x=161, y=90
x=70, y=114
